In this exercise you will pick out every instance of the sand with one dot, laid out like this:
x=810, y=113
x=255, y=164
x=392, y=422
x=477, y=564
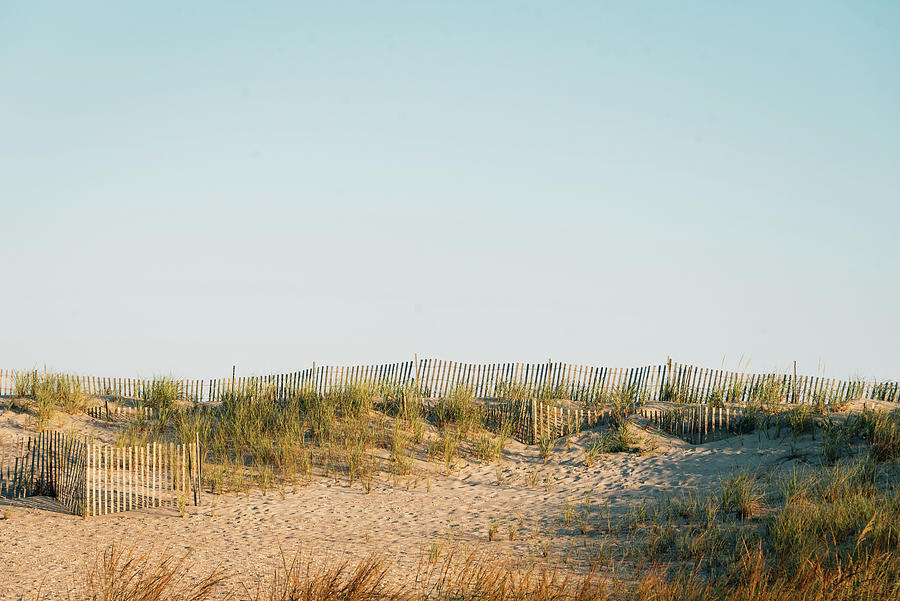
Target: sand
x=405, y=518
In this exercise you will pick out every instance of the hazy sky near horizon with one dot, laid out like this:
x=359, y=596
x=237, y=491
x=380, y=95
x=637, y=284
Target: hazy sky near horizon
x=187, y=186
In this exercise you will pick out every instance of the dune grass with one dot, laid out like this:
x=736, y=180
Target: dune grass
x=161, y=393
x=254, y=438
x=48, y=393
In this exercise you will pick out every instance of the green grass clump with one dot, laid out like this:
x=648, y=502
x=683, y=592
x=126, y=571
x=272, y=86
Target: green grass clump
x=623, y=401
x=400, y=449
x=733, y=392
x=44, y=405
x=24, y=384
x=836, y=441
x=356, y=400
x=592, y=450
x=748, y=419
x=716, y=397
x=460, y=409
x=70, y=396
x=881, y=429
x=160, y=393
x=446, y=450
x=49, y=392
x=545, y=447
x=618, y=439
x=748, y=539
x=768, y=392
x=835, y=516
x=741, y=494
x=486, y=447
x=798, y=420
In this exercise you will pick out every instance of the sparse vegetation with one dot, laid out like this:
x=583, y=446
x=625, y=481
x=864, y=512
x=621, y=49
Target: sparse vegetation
x=617, y=439
x=161, y=393
x=461, y=409
x=545, y=447
x=48, y=393
x=591, y=450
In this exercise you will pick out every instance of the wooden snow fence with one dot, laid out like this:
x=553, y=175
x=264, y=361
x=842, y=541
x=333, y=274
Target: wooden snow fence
x=511, y=417
x=532, y=420
x=552, y=421
x=110, y=412
x=692, y=384
x=47, y=464
x=92, y=478
x=152, y=475
x=435, y=378
x=697, y=424
x=97, y=386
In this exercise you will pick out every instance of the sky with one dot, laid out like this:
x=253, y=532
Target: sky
x=188, y=186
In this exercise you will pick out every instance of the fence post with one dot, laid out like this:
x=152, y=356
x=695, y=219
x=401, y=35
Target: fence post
x=198, y=463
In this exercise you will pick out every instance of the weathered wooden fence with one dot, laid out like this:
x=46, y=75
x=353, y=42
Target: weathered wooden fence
x=11, y=381
x=153, y=475
x=698, y=424
x=511, y=416
x=530, y=421
x=91, y=478
x=553, y=421
x=437, y=378
x=672, y=381
x=48, y=464
x=691, y=384
x=113, y=411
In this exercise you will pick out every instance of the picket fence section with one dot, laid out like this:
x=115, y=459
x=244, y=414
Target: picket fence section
x=513, y=417
x=91, y=478
x=153, y=475
x=691, y=384
x=530, y=421
x=110, y=412
x=551, y=421
x=11, y=384
x=697, y=424
x=48, y=464
x=435, y=378
x=582, y=383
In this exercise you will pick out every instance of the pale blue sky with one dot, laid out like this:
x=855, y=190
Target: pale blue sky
x=184, y=186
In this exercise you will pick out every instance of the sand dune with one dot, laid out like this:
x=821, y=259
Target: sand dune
x=406, y=517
